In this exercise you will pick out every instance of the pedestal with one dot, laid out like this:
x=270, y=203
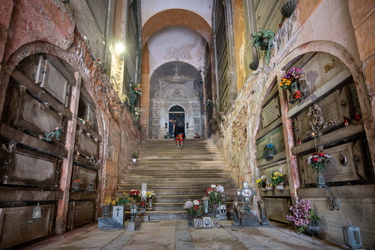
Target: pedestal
x=133, y=225
x=249, y=220
x=144, y=218
x=109, y=223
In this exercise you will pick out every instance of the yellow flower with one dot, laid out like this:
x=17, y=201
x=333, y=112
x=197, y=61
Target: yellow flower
x=113, y=202
x=258, y=181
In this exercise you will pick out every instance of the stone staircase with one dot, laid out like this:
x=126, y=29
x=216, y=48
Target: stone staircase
x=177, y=175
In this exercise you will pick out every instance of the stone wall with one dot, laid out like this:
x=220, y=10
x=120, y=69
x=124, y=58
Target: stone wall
x=46, y=27
x=315, y=26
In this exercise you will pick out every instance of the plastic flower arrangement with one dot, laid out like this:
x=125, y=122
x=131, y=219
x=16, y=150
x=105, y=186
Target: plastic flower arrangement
x=215, y=194
x=150, y=195
x=108, y=200
x=269, y=150
x=194, y=208
x=135, y=155
x=137, y=111
x=302, y=215
x=121, y=201
x=262, y=181
x=136, y=88
x=134, y=194
x=318, y=161
x=277, y=178
x=293, y=75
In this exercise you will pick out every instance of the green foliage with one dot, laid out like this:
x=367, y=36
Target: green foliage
x=259, y=36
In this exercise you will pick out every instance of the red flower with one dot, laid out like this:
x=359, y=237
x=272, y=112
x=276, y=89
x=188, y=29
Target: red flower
x=315, y=159
x=196, y=207
x=321, y=154
x=297, y=95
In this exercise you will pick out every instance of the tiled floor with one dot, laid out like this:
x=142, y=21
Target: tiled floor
x=175, y=234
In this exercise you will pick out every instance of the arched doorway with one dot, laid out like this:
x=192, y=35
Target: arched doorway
x=174, y=112
x=176, y=88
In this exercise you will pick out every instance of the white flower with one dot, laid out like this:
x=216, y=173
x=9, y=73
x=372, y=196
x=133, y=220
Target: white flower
x=213, y=185
x=188, y=204
x=263, y=177
x=196, y=202
x=220, y=188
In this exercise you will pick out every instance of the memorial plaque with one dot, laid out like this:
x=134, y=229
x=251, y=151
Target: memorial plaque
x=80, y=212
x=277, y=208
x=84, y=179
x=275, y=137
x=30, y=168
x=87, y=146
x=270, y=112
x=327, y=114
x=34, y=116
x=54, y=82
x=14, y=220
x=340, y=168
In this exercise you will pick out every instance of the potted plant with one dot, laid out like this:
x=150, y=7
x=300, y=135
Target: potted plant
x=302, y=215
x=278, y=180
x=318, y=161
x=264, y=40
x=291, y=82
x=134, y=195
x=269, y=151
x=135, y=156
x=193, y=210
x=262, y=182
x=106, y=209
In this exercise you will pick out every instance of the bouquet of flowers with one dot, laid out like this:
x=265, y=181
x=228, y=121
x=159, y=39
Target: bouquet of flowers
x=269, y=151
x=302, y=215
x=134, y=194
x=262, y=181
x=137, y=111
x=121, y=201
x=293, y=75
x=319, y=160
x=215, y=194
x=277, y=178
x=194, y=208
x=109, y=201
x=150, y=195
x=136, y=88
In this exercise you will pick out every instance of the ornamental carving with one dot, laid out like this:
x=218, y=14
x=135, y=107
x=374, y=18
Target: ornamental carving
x=317, y=121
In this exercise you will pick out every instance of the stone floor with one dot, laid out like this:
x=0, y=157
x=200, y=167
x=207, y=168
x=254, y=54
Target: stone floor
x=175, y=234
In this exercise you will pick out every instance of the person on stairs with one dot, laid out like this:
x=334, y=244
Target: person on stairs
x=179, y=131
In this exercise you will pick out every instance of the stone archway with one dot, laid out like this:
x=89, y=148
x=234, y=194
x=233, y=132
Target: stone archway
x=175, y=84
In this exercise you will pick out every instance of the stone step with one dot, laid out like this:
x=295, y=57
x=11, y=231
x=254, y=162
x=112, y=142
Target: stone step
x=177, y=175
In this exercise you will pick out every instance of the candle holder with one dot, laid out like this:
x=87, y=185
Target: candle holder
x=133, y=211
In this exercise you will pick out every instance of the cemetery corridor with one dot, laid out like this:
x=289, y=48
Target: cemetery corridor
x=176, y=176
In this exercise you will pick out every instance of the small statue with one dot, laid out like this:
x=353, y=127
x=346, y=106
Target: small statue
x=54, y=134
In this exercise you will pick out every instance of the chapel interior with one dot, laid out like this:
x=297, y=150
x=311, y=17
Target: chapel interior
x=260, y=85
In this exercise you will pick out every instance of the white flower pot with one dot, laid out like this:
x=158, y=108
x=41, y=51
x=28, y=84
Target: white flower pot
x=134, y=160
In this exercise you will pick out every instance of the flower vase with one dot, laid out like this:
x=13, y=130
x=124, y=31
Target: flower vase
x=106, y=210
x=190, y=221
x=134, y=160
x=320, y=180
x=280, y=186
x=313, y=229
x=215, y=210
x=150, y=203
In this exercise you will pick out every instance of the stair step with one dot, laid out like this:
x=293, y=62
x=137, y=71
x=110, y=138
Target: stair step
x=177, y=175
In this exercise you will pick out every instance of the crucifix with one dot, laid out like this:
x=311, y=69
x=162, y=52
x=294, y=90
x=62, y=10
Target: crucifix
x=118, y=210
x=176, y=69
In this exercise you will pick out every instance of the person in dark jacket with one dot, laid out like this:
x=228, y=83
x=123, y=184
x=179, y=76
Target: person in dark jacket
x=179, y=131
